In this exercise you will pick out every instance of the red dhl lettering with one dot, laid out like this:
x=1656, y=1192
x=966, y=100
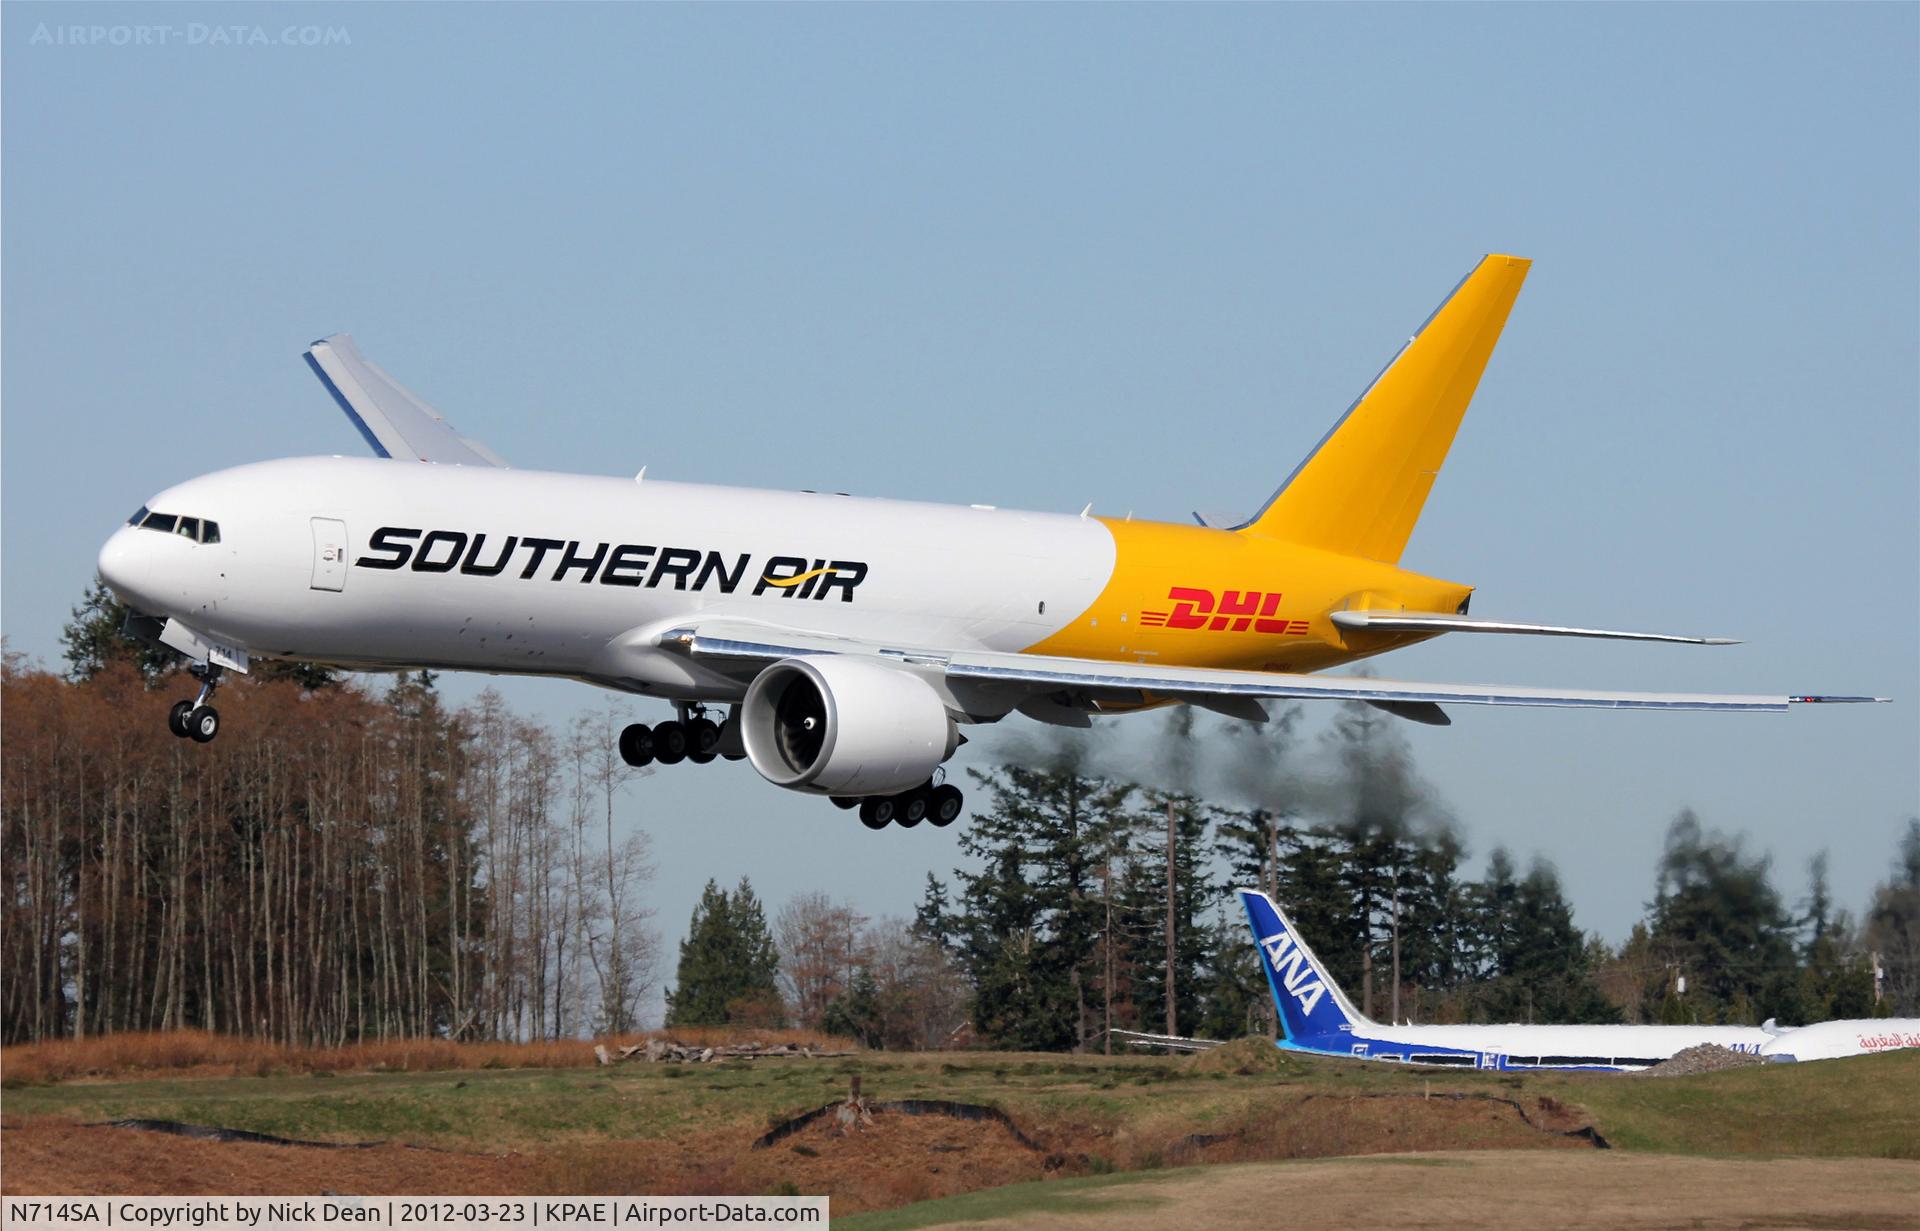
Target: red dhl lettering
x=1235, y=611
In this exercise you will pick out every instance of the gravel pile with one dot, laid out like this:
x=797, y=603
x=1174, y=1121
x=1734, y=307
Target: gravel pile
x=1706, y=1058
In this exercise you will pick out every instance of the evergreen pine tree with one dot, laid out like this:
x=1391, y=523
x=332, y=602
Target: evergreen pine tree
x=1234, y=1000
x=932, y=921
x=729, y=964
x=1144, y=912
x=856, y=1012
x=1716, y=917
x=1893, y=928
x=1030, y=936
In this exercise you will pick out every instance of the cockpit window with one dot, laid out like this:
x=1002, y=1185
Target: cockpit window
x=191, y=528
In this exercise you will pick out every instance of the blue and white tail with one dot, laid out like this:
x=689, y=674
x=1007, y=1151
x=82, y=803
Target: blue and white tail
x=1312, y=1007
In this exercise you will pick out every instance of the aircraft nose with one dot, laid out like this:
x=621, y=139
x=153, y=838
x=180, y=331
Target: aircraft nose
x=127, y=569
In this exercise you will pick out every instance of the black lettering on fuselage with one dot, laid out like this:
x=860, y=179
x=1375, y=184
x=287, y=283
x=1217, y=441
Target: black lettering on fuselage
x=677, y=563
x=472, y=563
x=714, y=568
x=540, y=548
x=389, y=538
x=588, y=565
x=627, y=566
x=423, y=561
x=780, y=568
x=622, y=564
x=845, y=576
x=814, y=574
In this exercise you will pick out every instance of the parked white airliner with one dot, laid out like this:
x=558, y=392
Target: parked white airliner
x=1316, y=1016
x=851, y=638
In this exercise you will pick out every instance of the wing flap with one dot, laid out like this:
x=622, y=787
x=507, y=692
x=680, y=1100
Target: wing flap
x=394, y=422
x=1440, y=622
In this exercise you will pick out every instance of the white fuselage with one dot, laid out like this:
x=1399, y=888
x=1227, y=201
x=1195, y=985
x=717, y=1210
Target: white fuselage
x=1518, y=1046
x=1844, y=1037
x=534, y=572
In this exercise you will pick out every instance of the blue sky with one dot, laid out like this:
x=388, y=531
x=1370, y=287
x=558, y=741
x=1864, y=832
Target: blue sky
x=1040, y=256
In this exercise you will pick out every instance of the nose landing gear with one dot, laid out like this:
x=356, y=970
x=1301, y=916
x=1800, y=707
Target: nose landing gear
x=195, y=719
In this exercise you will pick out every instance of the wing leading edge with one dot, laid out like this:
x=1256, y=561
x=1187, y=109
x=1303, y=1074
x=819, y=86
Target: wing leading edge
x=394, y=422
x=745, y=646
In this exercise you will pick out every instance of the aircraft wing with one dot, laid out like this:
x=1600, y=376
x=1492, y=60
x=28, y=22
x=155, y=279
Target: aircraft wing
x=741, y=648
x=1171, y=1042
x=395, y=422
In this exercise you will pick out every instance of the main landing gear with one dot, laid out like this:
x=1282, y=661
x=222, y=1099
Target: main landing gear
x=694, y=737
x=939, y=804
x=196, y=719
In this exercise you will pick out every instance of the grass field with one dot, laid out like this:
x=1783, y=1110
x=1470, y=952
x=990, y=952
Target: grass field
x=1492, y=1190
x=640, y=1127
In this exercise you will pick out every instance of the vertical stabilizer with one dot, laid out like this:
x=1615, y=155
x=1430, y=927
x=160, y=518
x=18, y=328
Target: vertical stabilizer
x=1313, y=1010
x=1361, y=490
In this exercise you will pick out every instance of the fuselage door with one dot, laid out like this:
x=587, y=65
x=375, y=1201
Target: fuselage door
x=329, y=554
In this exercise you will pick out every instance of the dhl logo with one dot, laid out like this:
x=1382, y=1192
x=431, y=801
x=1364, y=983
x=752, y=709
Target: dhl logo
x=1234, y=611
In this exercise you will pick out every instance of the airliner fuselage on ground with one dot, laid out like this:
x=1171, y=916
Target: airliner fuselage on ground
x=1316, y=1016
x=851, y=638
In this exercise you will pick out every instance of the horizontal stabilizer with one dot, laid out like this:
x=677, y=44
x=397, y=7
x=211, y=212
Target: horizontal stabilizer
x=394, y=422
x=1439, y=622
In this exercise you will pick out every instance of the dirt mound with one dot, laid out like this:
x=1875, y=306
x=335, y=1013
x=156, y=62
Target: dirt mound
x=891, y=1160
x=1705, y=1058
x=896, y=1159
x=1242, y=1056
x=46, y=1156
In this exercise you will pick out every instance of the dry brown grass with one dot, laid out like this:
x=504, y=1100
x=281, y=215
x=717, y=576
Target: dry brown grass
x=202, y=1053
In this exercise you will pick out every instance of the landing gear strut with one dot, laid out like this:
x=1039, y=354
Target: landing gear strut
x=196, y=719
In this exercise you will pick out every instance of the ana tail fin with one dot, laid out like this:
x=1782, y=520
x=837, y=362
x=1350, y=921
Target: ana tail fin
x=1312, y=1008
x=1361, y=490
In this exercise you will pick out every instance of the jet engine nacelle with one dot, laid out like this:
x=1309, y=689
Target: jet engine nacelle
x=835, y=725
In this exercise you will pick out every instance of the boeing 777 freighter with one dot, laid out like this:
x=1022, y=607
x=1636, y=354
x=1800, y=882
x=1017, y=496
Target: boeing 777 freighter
x=849, y=639
x=1317, y=1017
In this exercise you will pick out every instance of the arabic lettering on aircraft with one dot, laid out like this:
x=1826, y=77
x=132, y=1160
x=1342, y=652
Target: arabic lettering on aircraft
x=611, y=564
x=1291, y=971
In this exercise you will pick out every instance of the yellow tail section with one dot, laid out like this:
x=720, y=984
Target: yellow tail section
x=1361, y=490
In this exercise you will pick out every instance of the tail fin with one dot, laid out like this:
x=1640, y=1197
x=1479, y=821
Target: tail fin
x=1312, y=1007
x=1361, y=490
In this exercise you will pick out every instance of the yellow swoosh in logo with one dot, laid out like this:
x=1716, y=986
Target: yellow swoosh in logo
x=785, y=582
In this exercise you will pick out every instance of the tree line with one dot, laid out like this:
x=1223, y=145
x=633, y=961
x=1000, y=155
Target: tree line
x=1090, y=903
x=343, y=864
x=354, y=862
